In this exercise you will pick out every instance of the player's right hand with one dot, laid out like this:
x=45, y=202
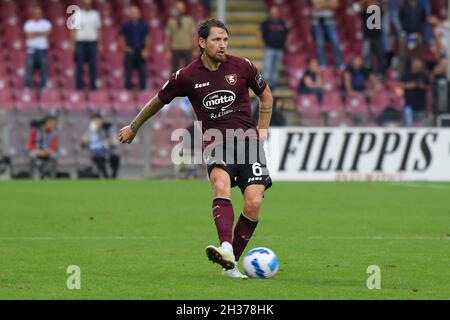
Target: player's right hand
x=126, y=135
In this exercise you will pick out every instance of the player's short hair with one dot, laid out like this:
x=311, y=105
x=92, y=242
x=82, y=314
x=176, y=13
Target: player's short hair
x=205, y=27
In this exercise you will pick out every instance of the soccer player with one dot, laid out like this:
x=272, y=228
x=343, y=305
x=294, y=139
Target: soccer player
x=217, y=86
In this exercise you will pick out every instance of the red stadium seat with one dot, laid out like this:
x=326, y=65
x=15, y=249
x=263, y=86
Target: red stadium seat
x=380, y=100
x=124, y=100
x=307, y=104
x=309, y=110
x=333, y=108
x=99, y=100
x=143, y=97
x=75, y=100
x=51, y=99
x=356, y=104
x=26, y=99
x=6, y=99
x=329, y=79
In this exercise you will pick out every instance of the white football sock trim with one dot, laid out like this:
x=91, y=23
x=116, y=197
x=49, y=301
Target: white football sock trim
x=248, y=217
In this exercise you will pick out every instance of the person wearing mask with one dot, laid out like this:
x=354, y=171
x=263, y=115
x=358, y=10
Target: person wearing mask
x=98, y=139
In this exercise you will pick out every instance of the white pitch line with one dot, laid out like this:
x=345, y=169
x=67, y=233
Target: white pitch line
x=421, y=185
x=81, y=238
x=380, y=238
x=99, y=238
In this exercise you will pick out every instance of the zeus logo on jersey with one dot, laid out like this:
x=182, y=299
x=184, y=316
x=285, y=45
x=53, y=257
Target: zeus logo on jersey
x=201, y=85
x=219, y=99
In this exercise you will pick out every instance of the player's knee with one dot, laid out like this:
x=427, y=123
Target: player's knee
x=252, y=204
x=221, y=188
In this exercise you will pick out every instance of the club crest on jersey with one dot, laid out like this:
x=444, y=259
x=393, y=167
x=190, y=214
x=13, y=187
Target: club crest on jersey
x=231, y=78
x=259, y=80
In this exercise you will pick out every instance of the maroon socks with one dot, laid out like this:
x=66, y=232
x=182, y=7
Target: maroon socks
x=223, y=218
x=242, y=233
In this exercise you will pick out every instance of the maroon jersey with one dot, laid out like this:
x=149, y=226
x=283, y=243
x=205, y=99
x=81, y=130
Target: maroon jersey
x=220, y=98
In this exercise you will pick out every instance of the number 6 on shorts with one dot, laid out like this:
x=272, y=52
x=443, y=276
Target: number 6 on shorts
x=257, y=170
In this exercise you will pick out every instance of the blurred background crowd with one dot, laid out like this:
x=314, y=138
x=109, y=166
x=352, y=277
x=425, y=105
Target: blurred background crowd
x=64, y=92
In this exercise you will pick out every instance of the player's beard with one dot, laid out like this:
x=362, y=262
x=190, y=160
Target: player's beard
x=217, y=57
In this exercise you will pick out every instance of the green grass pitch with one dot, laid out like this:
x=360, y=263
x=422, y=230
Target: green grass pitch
x=146, y=240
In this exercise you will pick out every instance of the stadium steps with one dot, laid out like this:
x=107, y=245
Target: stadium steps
x=252, y=54
x=243, y=42
x=243, y=18
x=250, y=6
x=243, y=29
x=239, y=18
x=282, y=92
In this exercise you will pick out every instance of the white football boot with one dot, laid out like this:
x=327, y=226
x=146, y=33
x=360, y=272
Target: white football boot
x=233, y=273
x=222, y=255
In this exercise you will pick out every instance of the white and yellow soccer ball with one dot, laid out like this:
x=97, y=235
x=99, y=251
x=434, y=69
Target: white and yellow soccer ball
x=260, y=263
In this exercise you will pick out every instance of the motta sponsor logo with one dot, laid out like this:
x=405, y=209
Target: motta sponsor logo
x=221, y=99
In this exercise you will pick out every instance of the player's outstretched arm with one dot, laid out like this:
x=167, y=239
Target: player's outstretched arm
x=265, y=112
x=127, y=133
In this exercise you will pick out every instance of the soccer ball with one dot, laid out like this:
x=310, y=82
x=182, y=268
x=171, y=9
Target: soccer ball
x=260, y=263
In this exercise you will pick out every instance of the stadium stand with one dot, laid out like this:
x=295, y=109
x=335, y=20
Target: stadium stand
x=297, y=14
x=243, y=19
x=74, y=107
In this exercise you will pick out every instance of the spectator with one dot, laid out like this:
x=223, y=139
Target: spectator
x=373, y=41
x=37, y=31
x=100, y=142
x=415, y=83
x=413, y=19
x=87, y=43
x=323, y=21
x=43, y=147
x=390, y=17
x=311, y=81
x=5, y=166
x=440, y=88
x=272, y=36
x=357, y=79
x=207, y=4
x=441, y=33
x=428, y=31
x=135, y=40
x=180, y=37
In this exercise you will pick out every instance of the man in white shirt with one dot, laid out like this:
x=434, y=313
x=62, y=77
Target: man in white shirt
x=87, y=42
x=37, y=31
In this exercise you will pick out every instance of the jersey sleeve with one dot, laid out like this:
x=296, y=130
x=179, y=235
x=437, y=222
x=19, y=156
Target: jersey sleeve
x=255, y=79
x=174, y=87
